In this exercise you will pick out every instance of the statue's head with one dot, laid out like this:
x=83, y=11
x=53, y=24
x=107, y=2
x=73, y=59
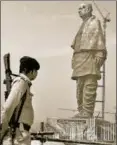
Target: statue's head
x=85, y=10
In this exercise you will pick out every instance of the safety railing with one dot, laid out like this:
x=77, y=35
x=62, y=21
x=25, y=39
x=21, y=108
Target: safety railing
x=92, y=129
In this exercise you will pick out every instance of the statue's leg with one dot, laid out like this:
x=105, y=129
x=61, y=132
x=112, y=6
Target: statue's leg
x=89, y=94
x=79, y=92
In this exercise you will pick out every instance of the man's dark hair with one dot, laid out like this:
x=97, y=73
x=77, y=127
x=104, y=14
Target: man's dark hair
x=28, y=64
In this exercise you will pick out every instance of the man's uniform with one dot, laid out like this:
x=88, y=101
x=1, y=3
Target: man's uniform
x=20, y=86
x=87, y=45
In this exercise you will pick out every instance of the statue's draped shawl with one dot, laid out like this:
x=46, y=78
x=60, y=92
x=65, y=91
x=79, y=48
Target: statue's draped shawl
x=88, y=42
x=89, y=37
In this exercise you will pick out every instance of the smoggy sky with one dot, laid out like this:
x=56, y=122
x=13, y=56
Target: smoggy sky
x=45, y=30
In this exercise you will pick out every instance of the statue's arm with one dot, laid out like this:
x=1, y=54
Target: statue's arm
x=101, y=53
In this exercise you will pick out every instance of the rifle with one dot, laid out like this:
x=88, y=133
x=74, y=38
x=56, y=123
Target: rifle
x=7, y=81
x=8, y=78
x=8, y=74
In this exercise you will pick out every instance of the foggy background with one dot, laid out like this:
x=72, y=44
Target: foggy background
x=45, y=30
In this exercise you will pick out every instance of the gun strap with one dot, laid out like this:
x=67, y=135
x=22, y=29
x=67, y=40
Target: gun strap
x=17, y=112
x=13, y=123
x=21, y=106
x=16, y=115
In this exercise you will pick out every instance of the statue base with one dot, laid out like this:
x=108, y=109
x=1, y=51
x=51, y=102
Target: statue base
x=82, y=129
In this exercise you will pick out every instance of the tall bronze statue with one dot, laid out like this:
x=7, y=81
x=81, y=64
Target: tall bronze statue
x=89, y=54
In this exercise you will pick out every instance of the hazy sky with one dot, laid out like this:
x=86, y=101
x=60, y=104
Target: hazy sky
x=45, y=30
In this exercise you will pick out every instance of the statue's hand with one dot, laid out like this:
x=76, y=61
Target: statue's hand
x=99, y=61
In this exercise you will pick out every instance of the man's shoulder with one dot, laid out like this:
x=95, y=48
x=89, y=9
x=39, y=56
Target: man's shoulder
x=19, y=80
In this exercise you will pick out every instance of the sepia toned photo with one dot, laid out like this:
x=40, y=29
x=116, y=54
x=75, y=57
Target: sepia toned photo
x=58, y=73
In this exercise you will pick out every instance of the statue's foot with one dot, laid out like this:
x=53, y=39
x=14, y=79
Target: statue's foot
x=77, y=115
x=83, y=114
x=86, y=114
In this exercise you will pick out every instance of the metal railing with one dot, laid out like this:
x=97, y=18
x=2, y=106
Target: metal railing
x=92, y=129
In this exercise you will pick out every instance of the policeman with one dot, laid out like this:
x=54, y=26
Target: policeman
x=20, y=86
x=89, y=54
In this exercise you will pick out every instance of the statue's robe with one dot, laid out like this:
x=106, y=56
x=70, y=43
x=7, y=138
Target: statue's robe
x=88, y=43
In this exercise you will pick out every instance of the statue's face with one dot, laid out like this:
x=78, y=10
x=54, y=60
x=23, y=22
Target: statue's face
x=84, y=10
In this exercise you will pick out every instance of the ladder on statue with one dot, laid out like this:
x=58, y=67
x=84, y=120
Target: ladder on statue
x=102, y=86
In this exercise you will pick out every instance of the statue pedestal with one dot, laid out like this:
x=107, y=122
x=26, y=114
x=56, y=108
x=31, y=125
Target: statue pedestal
x=91, y=129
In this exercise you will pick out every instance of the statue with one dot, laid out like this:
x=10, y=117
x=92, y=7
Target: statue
x=89, y=54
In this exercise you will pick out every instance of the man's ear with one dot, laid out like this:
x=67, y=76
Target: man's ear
x=25, y=70
x=31, y=71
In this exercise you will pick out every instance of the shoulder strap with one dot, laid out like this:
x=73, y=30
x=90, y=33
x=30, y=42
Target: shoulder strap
x=21, y=106
x=14, y=120
x=16, y=115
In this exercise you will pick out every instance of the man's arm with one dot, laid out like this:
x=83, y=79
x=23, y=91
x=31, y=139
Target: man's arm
x=17, y=91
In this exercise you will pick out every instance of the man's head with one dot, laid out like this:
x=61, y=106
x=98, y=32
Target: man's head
x=29, y=66
x=85, y=11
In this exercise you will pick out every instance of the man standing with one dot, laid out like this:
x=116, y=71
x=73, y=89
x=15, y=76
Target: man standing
x=89, y=54
x=20, y=87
